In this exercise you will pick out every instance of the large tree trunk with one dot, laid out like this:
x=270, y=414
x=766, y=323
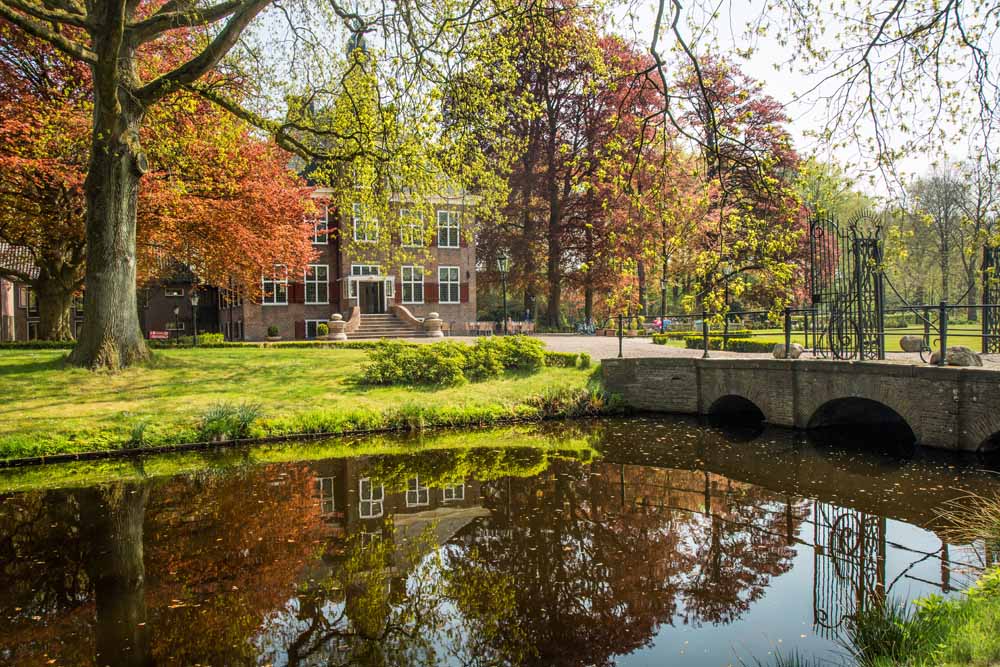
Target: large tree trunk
x=55, y=308
x=945, y=270
x=554, y=273
x=111, y=337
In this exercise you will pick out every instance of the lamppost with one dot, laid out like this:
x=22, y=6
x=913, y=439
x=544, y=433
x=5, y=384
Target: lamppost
x=663, y=303
x=177, y=317
x=503, y=266
x=194, y=313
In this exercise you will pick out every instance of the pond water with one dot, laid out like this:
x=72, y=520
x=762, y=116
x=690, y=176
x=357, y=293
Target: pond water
x=632, y=542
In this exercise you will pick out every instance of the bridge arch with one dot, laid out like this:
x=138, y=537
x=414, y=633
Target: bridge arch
x=736, y=409
x=872, y=419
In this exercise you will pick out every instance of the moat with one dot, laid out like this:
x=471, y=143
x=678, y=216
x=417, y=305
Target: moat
x=633, y=542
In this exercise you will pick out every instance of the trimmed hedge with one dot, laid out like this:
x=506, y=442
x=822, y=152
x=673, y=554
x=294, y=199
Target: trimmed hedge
x=661, y=339
x=732, y=344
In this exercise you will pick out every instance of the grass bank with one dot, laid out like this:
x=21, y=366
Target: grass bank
x=49, y=408
x=480, y=453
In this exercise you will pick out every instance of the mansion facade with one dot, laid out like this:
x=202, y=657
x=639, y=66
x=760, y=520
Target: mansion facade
x=378, y=299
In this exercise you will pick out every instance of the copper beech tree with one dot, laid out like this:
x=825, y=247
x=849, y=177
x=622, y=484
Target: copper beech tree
x=217, y=197
x=225, y=57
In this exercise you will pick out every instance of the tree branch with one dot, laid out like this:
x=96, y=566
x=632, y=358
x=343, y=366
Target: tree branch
x=201, y=64
x=39, y=29
x=179, y=15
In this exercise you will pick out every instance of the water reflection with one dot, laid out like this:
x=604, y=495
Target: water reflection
x=667, y=535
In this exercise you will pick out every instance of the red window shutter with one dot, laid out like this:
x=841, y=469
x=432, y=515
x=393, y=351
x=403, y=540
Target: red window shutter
x=464, y=290
x=300, y=329
x=296, y=292
x=430, y=292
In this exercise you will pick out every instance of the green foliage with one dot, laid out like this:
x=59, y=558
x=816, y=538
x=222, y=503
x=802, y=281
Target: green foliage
x=322, y=329
x=225, y=421
x=137, y=438
x=562, y=359
x=38, y=345
x=272, y=331
x=732, y=344
x=585, y=361
x=451, y=363
x=204, y=339
x=662, y=338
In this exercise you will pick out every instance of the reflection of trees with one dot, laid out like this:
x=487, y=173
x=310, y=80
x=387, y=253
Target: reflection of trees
x=604, y=554
x=581, y=563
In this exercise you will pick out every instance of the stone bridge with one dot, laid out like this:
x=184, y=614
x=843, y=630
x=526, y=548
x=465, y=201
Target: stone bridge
x=944, y=407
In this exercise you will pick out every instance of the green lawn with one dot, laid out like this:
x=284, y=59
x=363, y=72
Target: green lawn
x=49, y=408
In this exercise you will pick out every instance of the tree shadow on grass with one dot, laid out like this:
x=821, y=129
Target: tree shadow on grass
x=34, y=366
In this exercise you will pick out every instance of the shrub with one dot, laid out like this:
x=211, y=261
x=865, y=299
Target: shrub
x=225, y=421
x=272, y=331
x=38, y=345
x=451, y=363
x=322, y=329
x=732, y=344
x=584, y=360
x=392, y=362
x=562, y=359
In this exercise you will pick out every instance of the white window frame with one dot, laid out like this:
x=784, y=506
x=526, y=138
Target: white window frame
x=414, y=495
x=173, y=292
x=317, y=283
x=275, y=283
x=457, y=283
x=315, y=324
x=412, y=283
x=325, y=495
x=176, y=325
x=358, y=221
x=448, y=221
x=352, y=284
x=372, y=500
x=453, y=493
x=415, y=224
x=322, y=238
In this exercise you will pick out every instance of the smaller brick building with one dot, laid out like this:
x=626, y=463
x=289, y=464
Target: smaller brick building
x=340, y=280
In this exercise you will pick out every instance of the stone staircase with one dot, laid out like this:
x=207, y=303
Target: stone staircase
x=385, y=325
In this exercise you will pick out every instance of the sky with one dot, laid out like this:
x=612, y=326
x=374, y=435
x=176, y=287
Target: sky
x=803, y=105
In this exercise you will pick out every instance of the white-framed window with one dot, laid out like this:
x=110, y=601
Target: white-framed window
x=317, y=281
x=449, y=288
x=274, y=288
x=371, y=499
x=417, y=495
x=365, y=227
x=321, y=225
x=175, y=326
x=412, y=230
x=324, y=493
x=448, y=229
x=311, y=327
x=173, y=292
x=453, y=492
x=361, y=270
x=413, y=284
x=28, y=300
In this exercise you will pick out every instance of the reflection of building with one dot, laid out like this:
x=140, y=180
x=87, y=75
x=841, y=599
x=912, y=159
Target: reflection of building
x=353, y=500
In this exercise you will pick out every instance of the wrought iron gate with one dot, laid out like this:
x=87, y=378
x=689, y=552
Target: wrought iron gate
x=849, y=561
x=846, y=286
x=991, y=299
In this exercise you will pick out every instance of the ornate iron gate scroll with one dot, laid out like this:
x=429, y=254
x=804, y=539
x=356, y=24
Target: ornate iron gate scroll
x=849, y=565
x=846, y=287
x=991, y=299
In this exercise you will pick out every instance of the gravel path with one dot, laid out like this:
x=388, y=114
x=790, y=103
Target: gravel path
x=606, y=347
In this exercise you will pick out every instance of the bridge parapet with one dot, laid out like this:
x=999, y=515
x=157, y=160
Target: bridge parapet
x=947, y=408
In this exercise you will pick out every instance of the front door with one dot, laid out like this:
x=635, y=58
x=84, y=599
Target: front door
x=372, y=297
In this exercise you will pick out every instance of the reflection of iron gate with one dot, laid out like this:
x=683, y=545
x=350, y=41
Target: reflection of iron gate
x=846, y=286
x=849, y=562
x=991, y=297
